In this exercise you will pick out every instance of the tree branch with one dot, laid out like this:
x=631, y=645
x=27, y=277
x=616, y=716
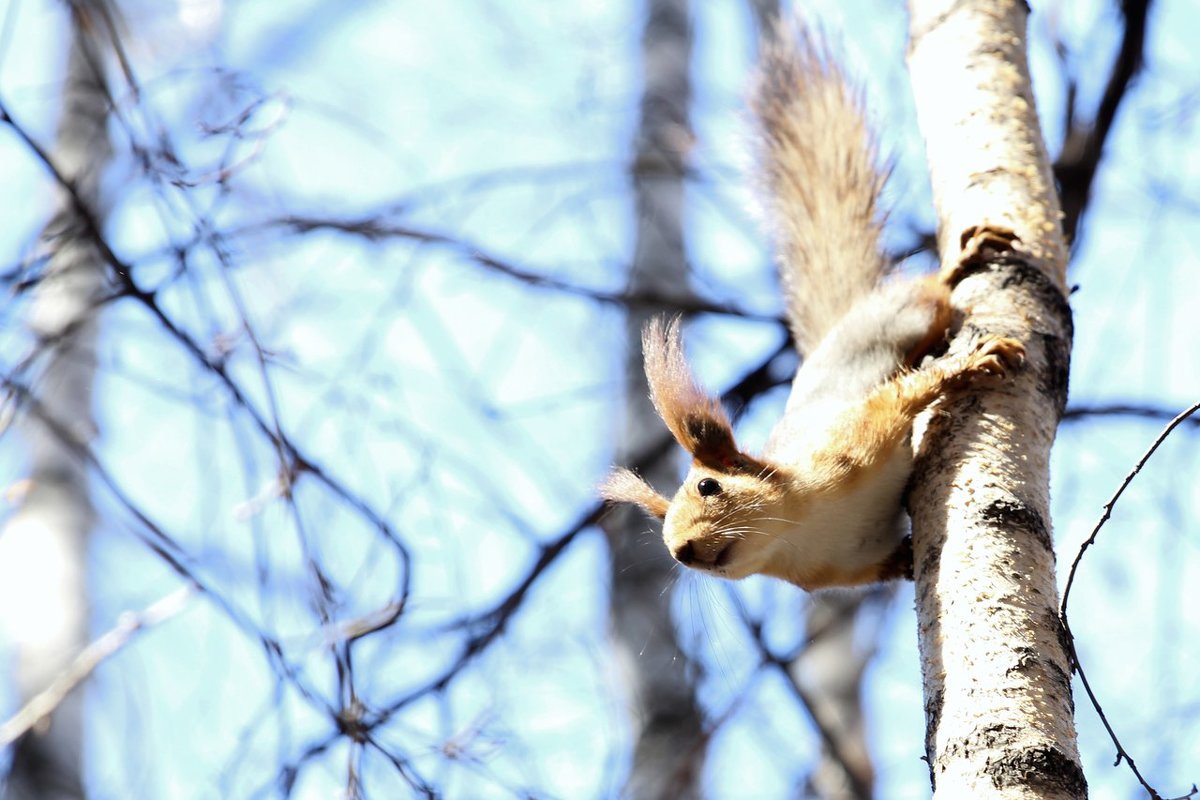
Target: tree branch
x=374, y=228
x=1084, y=144
x=1122, y=753
x=42, y=705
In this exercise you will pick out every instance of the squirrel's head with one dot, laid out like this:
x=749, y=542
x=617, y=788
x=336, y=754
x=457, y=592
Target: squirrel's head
x=723, y=518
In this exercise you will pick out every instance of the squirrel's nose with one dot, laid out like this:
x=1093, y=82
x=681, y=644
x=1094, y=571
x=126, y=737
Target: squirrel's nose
x=716, y=555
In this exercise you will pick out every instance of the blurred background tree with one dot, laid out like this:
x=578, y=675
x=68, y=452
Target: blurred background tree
x=363, y=283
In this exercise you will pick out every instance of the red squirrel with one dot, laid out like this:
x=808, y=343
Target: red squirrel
x=822, y=505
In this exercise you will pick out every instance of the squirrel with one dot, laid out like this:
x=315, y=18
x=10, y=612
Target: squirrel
x=822, y=506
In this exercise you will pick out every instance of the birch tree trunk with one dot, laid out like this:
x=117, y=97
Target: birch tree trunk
x=668, y=726
x=997, y=682
x=43, y=595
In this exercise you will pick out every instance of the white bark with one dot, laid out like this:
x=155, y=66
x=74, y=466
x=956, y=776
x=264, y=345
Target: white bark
x=996, y=677
x=43, y=596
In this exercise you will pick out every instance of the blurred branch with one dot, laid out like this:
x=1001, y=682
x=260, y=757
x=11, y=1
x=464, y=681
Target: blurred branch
x=1079, y=413
x=162, y=543
x=295, y=461
x=128, y=625
x=765, y=14
x=824, y=727
x=490, y=624
x=1083, y=147
x=374, y=228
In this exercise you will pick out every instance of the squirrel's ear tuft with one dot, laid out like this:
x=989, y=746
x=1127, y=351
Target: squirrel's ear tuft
x=624, y=486
x=696, y=420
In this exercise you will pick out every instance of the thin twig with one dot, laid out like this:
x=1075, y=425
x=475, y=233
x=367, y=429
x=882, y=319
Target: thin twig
x=1122, y=754
x=1108, y=507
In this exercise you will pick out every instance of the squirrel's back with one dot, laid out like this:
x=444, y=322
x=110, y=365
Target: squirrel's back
x=822, y=183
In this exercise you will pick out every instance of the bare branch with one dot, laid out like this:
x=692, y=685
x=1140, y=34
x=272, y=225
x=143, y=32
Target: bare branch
x=1122, y=753
x=128, y=625
x=374, y=228
x=825, y=728
x=1084, y=146
x=1081, y=413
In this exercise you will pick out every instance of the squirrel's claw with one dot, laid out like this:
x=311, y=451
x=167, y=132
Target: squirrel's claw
x=997, y=356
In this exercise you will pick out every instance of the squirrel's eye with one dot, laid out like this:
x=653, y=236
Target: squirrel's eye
x=707, y=487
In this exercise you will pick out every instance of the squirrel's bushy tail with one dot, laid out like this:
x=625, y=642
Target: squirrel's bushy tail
x=822, y=183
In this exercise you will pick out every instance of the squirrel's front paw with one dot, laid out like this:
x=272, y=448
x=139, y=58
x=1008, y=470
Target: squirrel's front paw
x=977, y=246
x=997, y=356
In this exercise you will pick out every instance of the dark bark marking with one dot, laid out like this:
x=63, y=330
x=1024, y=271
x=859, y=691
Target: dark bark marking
x=1010, y=513
x=1042, y=769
